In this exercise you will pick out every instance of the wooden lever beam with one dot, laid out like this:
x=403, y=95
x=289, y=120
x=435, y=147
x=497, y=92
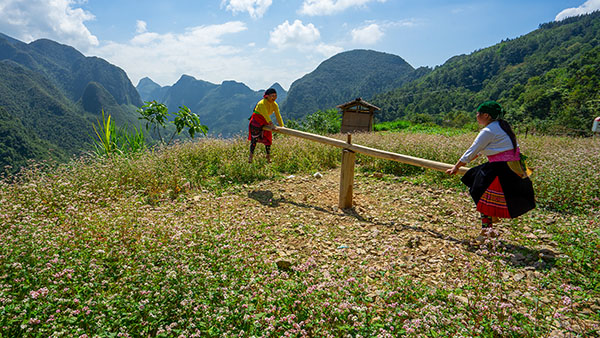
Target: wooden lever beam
x=416, y=161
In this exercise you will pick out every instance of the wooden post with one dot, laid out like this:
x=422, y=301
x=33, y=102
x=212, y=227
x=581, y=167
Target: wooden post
x=347, y=179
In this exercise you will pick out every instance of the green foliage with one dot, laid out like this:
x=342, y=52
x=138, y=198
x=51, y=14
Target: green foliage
x=110, y=139
x=547, y=81
x=18, y=145
x=294, y=124
x=52, y=95
x=105, y=143
x=184, y=118
x=320, y=122
x=346, y=76
x=157, y=117
x=85, y=254
x=427, y=128
x=392, y=125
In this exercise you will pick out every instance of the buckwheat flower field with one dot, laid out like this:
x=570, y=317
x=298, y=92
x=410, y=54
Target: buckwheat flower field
x=192, y=241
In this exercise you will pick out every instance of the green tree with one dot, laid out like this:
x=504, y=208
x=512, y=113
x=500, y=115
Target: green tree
x=157, y=116
x=323, y=122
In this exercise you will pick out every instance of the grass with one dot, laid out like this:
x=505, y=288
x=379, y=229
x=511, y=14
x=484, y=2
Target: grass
x=149, y=245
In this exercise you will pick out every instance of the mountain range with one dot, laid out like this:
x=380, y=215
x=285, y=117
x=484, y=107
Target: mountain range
x=224, y=108
x=51, y=95
x=547, y=80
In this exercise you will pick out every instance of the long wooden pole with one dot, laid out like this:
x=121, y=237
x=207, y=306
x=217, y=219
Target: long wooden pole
x=416, y=161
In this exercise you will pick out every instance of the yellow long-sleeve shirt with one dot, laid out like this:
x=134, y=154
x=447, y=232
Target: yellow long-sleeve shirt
x=266, y=108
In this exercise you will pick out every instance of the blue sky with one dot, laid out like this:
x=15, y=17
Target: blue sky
x=260, y=42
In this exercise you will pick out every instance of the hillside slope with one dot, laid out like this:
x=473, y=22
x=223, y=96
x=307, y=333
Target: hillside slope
x=344, y=77
x=57, y=93
x=551, y=76
x=263, y=248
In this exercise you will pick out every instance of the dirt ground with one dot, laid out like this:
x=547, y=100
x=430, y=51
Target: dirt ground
x=394, y=227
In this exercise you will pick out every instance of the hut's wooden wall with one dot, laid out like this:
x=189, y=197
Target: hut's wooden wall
x=354, y=121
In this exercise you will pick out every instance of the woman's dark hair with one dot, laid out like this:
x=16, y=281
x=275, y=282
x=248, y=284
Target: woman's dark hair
x=506, y=127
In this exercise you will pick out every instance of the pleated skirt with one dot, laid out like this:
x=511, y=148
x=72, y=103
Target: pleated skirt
x=498, y=191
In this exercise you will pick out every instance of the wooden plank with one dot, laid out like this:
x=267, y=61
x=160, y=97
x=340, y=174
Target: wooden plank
x=416, y=161
x=347, y=179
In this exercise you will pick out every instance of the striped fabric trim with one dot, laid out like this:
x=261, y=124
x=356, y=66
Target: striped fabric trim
x=493, y=202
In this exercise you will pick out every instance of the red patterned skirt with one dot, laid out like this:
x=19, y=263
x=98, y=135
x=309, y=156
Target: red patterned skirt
x=256, y=132
x=493, y=202
x=498, y=191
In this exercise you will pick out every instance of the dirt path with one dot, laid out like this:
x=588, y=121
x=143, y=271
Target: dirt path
x=395, y=229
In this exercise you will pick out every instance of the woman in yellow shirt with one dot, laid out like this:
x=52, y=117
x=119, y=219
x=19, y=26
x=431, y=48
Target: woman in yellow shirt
x=260, y=118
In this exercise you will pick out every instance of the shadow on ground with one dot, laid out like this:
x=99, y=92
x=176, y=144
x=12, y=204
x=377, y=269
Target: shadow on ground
x=517, y=255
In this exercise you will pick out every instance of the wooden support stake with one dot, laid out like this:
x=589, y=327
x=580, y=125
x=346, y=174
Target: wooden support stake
x=347, y=179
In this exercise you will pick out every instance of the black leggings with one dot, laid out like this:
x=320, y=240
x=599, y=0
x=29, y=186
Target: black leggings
x=253, y=146
x=255, y=134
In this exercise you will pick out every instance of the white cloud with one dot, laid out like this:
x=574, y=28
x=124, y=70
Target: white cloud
x=58, y=20
x=588, y=7
x=328, y=50
x=256, y=8
x=326, y=7
x=199, y=52
x=294, y=35
x=305, y=38
x=141, y=27
x=368, y=35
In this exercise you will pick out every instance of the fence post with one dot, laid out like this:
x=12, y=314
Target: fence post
x=347, y=177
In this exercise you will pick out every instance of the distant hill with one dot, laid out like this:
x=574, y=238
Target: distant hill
x=150, y=90
x=55, y=94
x=346, y=76
x=548, y=80
x=224, y=108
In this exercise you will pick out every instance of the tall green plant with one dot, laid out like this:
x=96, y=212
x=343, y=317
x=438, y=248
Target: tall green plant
x=184, y=118
x=127, y=141
x=104, y=145
x=110, y=139
x=157, y=116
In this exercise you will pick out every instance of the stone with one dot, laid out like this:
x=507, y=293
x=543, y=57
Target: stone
x=557, y=334
x=517, y=258
x=518, y=276
x=283, y=264
x=414, y=242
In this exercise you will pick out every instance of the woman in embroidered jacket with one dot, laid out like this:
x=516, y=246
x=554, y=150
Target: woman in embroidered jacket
x=260, y=118
x=500, y=187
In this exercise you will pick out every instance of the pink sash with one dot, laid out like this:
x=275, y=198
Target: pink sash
x=506, y=156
